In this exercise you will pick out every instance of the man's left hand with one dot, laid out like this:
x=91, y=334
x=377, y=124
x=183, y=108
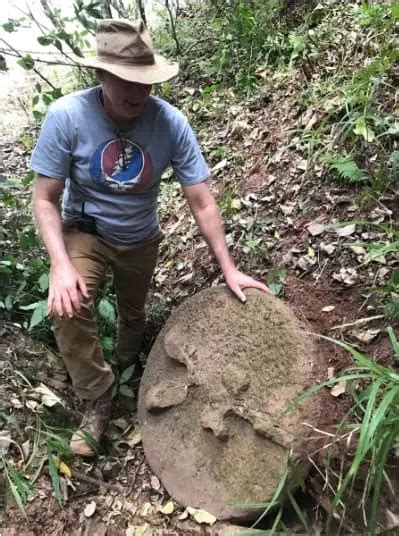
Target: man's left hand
x=237, y=281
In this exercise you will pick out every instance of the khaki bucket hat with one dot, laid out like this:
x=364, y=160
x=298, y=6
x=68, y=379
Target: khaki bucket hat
x=125, y=49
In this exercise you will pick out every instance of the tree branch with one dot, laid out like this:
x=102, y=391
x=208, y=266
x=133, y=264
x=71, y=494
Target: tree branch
x=142, y=11
x=33, y=68
x=14, y=54
x=56, y=23
x=173, y=26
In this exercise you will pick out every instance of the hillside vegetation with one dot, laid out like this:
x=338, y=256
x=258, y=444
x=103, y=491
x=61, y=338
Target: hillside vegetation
x=296, y=109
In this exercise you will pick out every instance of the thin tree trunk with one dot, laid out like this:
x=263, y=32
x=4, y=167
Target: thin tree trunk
x=106, y=8
x=142, y=11
x=173, y=26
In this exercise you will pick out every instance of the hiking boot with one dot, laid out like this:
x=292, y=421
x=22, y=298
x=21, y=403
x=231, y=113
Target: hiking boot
x=95, y=420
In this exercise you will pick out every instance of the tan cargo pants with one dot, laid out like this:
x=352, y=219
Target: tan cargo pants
x=77, y=337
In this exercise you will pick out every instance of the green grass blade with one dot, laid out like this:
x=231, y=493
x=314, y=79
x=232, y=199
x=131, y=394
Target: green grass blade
x=276, y=522
x=298, y=512
x=394, y=342
x=383, y=451
x=379, y=370
x=17, y=497
x=276, y=496
x=55, y=477
x=363, y=444
x=13, y=487
x=312, y=390
x=379, y=418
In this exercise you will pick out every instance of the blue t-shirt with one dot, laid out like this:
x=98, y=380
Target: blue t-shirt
x=116, y=174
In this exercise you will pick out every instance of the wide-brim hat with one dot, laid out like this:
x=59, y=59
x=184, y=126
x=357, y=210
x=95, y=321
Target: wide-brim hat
x=125, y=49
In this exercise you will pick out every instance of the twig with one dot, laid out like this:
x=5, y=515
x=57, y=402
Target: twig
x=33, y=68
x=47, y=62
x=338, y=439
x=133, y=482
x=359, y=321
x=318, y=276
x=44, y=30
x=58, y=26
x=100, y=483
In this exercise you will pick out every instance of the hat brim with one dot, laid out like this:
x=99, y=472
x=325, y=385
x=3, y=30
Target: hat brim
x=158, y=72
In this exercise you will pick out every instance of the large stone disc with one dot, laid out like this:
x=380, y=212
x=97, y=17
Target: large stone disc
x=217, y=380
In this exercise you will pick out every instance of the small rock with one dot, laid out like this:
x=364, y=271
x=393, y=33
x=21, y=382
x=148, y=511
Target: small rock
x=111, y=469
x=90, y=509
x=121, y=423
x=288, y=209
x=348, y=276
x=155, y=483
x=315, y=228
x=365, y=336
x=305, y=263
x=346, y=231
x=357, y=250
x=327, y=248
x=339, y=389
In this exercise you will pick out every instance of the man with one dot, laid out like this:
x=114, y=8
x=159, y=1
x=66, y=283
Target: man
x=105, y=148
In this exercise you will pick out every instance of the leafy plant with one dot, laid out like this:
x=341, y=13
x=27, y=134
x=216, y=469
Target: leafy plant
x=122, y=382
x=275, y=280
x=346, y=167
x=375, y=392
x=20, y=482
x=17, y=485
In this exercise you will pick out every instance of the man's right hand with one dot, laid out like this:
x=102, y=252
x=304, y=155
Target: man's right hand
x=67, y=289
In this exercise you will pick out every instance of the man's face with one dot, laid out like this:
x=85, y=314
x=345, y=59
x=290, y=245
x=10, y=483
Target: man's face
x=123, y=101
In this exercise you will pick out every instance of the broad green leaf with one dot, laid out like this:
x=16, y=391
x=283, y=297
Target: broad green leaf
x=127, y=373
x=43, y=282
x=31, y=306
x=55, y=477
x=275, y=281
x=393, y=129
x=27, y=62
x=45, y=40
x=107, y=310
x=395, y=11
x=126, y=391
x=8, y=302
x=362, y=129
x=39, y=314
x=107, y=344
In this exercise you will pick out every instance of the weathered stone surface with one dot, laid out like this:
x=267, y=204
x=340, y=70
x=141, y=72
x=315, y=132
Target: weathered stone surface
x=211, y=402
x=165, y=394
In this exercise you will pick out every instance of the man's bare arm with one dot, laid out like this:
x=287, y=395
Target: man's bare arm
x=206, y=214
x=66, y=284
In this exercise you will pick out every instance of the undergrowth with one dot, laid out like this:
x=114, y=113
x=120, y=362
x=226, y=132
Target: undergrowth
x=342, y=58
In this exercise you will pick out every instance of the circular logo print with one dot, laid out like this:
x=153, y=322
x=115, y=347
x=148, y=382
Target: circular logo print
x=121, y=166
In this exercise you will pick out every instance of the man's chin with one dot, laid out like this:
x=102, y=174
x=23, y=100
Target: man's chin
x=133, y=110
